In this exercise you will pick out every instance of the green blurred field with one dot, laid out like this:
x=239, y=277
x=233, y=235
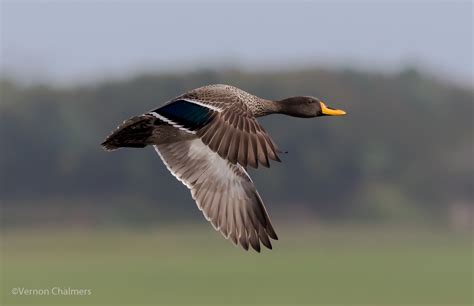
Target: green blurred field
x=195, y=266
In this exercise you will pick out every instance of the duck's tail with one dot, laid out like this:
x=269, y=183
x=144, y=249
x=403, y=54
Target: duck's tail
x=135, y=132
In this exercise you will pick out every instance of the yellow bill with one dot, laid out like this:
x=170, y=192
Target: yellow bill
x=331, y=111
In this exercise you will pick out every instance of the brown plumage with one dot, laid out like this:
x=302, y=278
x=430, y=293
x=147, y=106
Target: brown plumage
x=234, y=117
x=206, y=138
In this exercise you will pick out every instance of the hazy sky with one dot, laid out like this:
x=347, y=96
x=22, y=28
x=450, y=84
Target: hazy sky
x=82, y=40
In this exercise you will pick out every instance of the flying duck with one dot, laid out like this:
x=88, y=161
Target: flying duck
x=207, y=138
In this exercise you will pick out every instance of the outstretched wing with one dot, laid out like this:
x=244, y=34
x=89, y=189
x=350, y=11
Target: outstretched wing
x=229, y=129
x=223, y=191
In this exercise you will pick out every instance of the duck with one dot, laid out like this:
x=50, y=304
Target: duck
x=207, y=138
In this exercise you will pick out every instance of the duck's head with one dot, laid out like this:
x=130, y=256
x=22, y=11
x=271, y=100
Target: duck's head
x=307, y=107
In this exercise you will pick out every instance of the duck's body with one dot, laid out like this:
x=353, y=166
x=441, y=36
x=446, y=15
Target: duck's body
x=206, y=138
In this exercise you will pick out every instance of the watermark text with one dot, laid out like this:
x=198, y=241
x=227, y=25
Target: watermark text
x=52, y=291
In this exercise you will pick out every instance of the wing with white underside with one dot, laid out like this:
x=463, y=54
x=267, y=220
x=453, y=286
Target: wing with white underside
x=230, y=129
x=223, y=191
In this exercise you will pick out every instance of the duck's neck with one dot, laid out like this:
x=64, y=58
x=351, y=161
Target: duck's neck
x=267, y=107
x=289, y=106
x=264, y=107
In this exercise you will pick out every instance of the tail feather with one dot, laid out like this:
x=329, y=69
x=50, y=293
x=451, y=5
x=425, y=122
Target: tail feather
x=132, y=133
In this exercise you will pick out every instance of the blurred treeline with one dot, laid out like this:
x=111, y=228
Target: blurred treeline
x=403, y=152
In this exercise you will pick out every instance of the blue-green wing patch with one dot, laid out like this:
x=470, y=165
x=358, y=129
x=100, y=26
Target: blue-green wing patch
x=189, y=115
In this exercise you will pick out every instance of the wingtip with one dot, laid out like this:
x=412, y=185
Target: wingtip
x=272, y=234
x=266, y=242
